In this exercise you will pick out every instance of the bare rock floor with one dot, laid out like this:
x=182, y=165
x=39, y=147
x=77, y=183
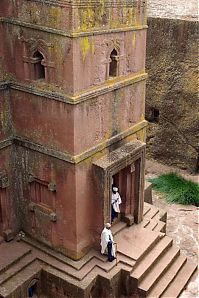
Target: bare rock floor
x=182, y=223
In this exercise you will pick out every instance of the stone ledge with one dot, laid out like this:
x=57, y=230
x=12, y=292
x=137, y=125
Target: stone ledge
x=126, y=152
x=84, y=3
x=87, y=94
x=74, y=159
x=70, y=34
x=6, y=143
x=42, y=210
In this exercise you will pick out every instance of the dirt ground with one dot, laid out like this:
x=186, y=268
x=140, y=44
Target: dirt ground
x=182, y=222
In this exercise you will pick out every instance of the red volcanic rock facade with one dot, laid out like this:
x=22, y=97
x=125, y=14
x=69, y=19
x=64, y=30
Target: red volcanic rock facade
x=72, y=93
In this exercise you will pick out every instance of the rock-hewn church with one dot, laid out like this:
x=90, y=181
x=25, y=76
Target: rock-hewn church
x=72, y=103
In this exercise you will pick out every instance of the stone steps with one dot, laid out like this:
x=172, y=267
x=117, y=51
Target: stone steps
x=125, y=259
x=180, y=281
x=155, y=225
x=108, y=276
x=118, y=227
x=19, y=265
x=151, y=225
x=161, y=227
x=51, y=253
x=141, y=269
x=157, y=270
x=167, y=278
x=149, y=248
x=10, y=255
x=19, y=279
x=146, y=256
x=152, y=212
x=154, y=219
x=146, y=209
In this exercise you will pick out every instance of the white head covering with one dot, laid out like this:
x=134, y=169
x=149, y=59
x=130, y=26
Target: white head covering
x=115, y=189
x=107, y=225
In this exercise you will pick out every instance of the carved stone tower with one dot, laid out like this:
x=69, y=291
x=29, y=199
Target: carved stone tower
x=72, y=100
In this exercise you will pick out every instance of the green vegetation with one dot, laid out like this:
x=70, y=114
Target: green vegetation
x=176, y=189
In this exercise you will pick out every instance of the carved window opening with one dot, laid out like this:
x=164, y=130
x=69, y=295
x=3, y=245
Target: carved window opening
x=113, y=67
x=39, y=69
x=42, y=197
x=41, y=192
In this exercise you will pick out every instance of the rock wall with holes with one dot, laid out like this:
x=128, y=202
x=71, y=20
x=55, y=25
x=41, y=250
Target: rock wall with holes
x=172, y=104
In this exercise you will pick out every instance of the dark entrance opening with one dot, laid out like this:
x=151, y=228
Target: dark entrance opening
x=154, y=115
x=32, y=291
x=127, y=181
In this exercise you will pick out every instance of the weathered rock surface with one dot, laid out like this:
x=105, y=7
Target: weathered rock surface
x=181, y=9
x=172, y=103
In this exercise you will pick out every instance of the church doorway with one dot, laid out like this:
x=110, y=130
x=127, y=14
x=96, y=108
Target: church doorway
x=127, y=182
x=123, y=168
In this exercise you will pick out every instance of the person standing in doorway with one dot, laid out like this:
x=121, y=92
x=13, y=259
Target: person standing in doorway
x=107, y=242
x=115, y=203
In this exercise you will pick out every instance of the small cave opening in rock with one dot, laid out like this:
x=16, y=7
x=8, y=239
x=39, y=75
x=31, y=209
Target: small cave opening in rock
x=154, y=115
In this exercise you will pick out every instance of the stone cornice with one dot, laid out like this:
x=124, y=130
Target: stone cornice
x=70, y=34
x=73, y=159
x=6, y=143
x=87, y=94
x=84, y=3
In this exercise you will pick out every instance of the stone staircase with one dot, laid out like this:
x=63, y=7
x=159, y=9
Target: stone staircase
x=163, y=271
x=151, y=265
x=154, y=218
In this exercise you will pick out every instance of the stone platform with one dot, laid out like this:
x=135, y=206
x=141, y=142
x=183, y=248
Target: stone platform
x=147, y=265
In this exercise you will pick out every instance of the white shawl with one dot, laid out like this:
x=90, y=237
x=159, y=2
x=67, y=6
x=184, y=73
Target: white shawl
x=106, y=236
x=116, y=201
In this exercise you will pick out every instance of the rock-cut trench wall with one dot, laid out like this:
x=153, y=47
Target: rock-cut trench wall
x=172, y=103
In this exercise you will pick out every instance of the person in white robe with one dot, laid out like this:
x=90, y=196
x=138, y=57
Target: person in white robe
x=107, y=242
x=115, y=202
